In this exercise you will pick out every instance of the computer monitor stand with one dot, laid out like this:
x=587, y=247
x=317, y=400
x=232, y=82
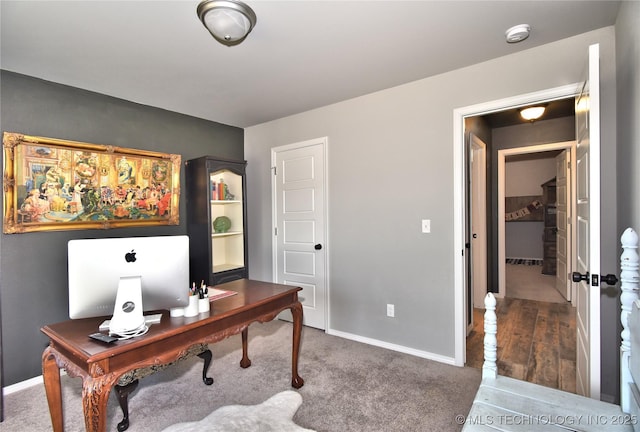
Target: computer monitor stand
x=128, y=319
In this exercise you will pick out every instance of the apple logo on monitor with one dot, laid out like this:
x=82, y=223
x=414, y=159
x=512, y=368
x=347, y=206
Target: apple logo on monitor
x=130, y=256
x=128, y=306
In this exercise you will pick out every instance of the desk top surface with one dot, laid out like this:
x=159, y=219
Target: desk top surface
x=73, y=335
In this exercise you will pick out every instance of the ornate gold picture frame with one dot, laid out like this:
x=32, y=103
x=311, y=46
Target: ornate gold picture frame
x=52, y=184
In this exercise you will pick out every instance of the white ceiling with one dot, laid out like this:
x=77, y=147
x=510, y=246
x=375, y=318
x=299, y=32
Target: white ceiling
x=301, y=55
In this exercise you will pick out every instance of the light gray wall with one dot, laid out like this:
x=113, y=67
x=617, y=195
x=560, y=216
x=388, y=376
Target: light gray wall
x=628, y=81
x=523, y=240
x=33, y=276
x=526, y=177
x=391, y=164
x=628, y=162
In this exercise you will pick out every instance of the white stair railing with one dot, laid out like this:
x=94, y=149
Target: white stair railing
x=490, y=367
x=629, y=294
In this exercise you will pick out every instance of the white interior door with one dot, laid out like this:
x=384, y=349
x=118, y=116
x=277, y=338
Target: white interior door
x=588, y=230
x=563, y=233
x=478, y=216
x=300, y=246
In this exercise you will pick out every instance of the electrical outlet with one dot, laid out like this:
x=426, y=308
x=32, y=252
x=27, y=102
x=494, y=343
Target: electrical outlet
x=426, y=225
x=391, y=310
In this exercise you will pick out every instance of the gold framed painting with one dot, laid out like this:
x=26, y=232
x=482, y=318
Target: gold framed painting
x=53, y=184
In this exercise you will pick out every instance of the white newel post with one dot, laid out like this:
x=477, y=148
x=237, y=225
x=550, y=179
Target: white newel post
x=629, y=287
x=490, y=367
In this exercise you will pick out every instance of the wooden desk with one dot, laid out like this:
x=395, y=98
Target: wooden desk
x=100, y=365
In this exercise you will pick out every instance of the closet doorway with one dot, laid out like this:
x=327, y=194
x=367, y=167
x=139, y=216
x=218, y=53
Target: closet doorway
x=530, y=226
x=538, y=341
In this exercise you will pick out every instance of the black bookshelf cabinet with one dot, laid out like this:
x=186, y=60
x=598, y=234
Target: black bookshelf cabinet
x=216, y=219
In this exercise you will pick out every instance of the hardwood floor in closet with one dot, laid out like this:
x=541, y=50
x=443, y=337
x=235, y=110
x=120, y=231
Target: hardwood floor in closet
x=536, y=342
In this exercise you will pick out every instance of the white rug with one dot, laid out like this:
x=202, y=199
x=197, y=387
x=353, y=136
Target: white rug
x=273, y=415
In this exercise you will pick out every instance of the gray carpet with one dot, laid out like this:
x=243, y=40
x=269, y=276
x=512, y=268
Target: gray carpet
x=349, y=386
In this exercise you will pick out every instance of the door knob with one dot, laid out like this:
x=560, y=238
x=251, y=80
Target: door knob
x=318, y=246
x=577, y=277
x=609, y=279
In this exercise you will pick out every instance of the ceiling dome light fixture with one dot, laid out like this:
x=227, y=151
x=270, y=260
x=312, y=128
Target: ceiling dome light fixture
x=517, y=33
x=532, y=113
x=228, y=21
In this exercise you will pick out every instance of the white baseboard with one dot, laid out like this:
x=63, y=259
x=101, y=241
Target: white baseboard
x=393, y=347
x=13, y=388
x=22, y=385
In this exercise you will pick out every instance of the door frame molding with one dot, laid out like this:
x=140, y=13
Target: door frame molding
x=502, y=154
x=324, y=142
x=459, y=204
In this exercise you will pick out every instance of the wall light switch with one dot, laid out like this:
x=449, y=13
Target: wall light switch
x=426, y=225
x=391, y=310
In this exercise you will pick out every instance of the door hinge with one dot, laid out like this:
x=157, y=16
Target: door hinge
x=275, y=231
x=275, y=170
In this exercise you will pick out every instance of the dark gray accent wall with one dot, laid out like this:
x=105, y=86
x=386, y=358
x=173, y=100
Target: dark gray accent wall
x=33, y=266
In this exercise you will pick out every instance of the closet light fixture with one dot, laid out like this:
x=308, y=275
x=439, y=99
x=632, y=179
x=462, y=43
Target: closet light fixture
x=533, y=112
x=228, y=21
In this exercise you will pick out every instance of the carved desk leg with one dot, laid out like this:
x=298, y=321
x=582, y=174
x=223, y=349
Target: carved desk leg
x=245, y=362
x=123, y=393
x=206, y=356
x=296, y=311
x=95, y=395
x=51, y=375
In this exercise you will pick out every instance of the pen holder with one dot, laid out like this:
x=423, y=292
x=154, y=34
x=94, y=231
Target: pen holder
x=176, y=312
x=203, y=305
x=192, y=307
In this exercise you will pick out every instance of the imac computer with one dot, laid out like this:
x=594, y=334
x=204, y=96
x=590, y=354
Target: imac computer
x=126, y=276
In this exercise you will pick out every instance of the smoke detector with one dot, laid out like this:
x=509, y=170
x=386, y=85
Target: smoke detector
x=518, y=33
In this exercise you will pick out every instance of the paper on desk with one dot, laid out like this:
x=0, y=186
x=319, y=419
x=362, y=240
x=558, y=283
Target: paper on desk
x=217, y=294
